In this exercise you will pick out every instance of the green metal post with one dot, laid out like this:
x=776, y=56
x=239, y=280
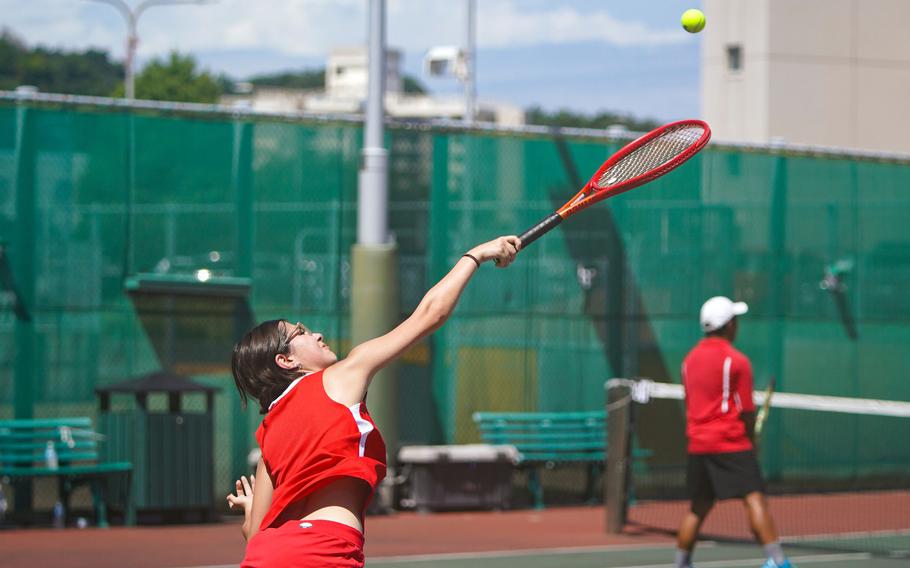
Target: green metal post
x=23, y=277
x=130, y=196
x=23, y=254
x=777, y=277
x=854, y=298
x=437, y=266
x=242, y=176
x=243, y=191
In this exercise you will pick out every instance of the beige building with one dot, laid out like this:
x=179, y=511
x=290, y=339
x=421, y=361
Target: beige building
x=819, y=72
x=346, y=81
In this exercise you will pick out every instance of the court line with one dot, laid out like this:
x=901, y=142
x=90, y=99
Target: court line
x=810, y=559
x=847, y=535
x=807, y=559
x=525, y=552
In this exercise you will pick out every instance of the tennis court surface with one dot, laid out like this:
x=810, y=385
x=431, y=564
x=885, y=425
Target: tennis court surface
x=564, y=537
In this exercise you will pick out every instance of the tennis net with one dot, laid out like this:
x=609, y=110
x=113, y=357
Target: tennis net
x=837, y=469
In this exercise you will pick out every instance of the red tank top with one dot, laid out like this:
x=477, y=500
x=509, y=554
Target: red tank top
x=308, y=440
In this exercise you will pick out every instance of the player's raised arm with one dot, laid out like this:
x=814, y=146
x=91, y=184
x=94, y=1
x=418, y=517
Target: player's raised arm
x=355, y=371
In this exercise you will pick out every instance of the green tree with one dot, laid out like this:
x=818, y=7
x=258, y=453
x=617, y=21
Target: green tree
x=603, y=119
x=413, y=86
x=175, y=79
x=306, y=79
x=315, y=79
x=77, y=73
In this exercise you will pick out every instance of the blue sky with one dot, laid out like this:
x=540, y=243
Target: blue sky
x=584, y=55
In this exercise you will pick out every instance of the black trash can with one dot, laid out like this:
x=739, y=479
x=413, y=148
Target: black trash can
x=171, y=448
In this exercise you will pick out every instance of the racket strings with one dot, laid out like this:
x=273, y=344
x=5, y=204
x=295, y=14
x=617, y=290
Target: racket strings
x=652, y=155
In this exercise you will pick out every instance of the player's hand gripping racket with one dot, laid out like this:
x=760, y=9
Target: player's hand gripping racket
x=763, y=411
x=642, y=160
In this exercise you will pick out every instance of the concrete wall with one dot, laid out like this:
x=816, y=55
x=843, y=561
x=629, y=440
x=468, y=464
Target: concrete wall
x=820, y=72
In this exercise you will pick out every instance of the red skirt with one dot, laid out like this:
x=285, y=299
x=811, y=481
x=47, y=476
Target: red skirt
x=304, y=544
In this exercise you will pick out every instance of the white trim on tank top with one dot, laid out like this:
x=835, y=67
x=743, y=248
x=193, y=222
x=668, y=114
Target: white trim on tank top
x=363, y=426
x=287, y=390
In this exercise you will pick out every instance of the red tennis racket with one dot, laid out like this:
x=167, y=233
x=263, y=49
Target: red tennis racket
x=645, y=159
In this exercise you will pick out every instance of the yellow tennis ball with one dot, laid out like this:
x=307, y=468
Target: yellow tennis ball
x=693, y=21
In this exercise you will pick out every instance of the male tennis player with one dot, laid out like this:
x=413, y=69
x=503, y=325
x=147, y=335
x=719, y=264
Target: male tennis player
x=720, y=418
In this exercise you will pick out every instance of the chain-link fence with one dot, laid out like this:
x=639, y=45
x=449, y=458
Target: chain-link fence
x=92, y=196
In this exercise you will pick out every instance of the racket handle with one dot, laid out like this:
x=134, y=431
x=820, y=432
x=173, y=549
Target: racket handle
x=539, y=229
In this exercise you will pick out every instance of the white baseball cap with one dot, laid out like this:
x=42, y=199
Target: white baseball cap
x=717, y=311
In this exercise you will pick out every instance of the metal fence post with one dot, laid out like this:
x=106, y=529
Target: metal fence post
x=616, y=484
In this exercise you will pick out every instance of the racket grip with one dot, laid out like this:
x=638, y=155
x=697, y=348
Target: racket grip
x=539, y=229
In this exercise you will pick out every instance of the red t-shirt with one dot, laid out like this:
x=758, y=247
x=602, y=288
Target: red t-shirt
x=308, y=440
x=718, y=382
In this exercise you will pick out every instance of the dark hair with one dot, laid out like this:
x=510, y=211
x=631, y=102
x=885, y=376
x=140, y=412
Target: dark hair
x=722, y=330
x=253, y=365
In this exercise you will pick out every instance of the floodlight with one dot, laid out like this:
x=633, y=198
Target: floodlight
x=446, y=60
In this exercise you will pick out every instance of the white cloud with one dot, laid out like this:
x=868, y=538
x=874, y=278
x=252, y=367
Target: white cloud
x=294, y=27
x=505, y=24
x=51, y=23
x=314, y=27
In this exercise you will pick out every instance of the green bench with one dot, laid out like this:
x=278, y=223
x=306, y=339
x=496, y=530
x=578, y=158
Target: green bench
x=549, y=439
x=23, y=447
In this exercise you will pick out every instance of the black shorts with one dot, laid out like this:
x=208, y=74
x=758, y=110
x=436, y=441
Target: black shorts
x=712, y=477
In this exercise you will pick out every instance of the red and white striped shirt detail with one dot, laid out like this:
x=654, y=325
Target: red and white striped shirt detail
x=725, y=403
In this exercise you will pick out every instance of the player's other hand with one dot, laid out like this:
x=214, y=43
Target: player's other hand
x=501, y=250
x=243, y=497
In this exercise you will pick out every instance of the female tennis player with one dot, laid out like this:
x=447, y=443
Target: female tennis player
x=322, y=457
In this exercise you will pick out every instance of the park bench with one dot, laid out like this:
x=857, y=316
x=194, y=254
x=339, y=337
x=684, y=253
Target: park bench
x=23, y=458
x=547, y=440
x=551, y=439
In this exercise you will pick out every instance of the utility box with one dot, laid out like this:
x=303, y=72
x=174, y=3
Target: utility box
x=467, y=476
x=171, y=448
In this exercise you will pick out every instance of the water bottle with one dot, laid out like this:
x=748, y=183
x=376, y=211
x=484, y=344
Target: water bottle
x=3, y=504
x=50, y=456
x=59, y=515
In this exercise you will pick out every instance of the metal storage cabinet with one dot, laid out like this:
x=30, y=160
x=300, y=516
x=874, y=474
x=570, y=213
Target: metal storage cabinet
x=171, y=451
x=470, y=476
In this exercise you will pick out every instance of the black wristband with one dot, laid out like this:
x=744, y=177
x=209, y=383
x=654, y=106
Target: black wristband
x=472, y=257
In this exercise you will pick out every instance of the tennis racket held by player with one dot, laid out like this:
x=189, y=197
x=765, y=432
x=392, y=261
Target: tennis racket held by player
x=637, y=163
x=765, y=407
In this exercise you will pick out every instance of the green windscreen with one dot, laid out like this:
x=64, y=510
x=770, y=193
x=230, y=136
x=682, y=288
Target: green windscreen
x=90, y=197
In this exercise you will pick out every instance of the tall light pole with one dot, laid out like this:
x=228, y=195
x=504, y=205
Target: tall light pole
x=372, y=215
x=374, y=257
x=470, y=87
x=131, y=15
x=460, y=62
